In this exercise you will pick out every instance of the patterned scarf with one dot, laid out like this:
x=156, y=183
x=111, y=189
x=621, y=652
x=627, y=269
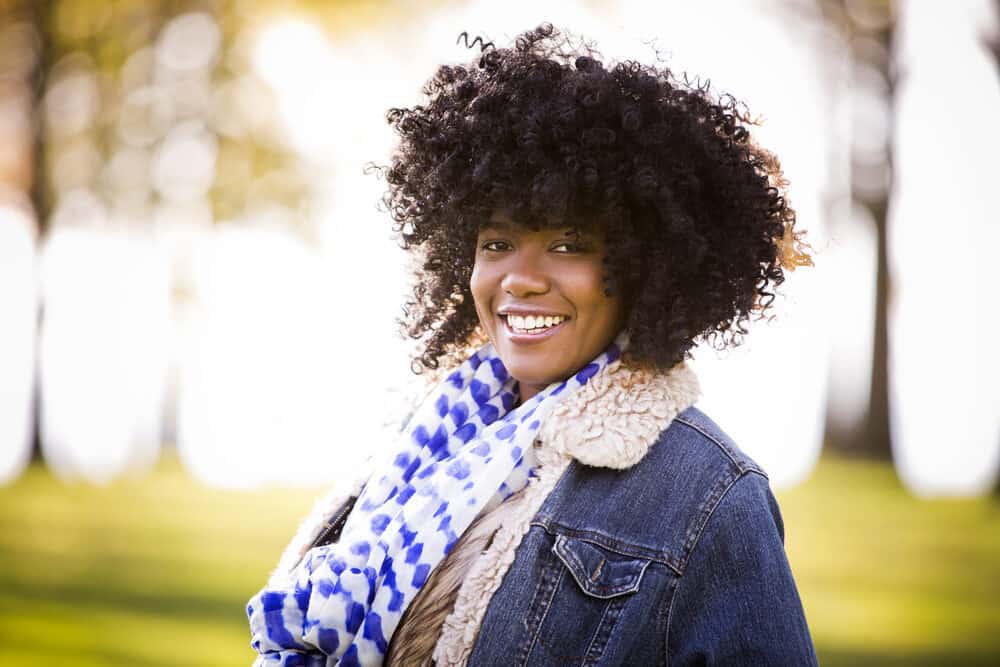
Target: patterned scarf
x=464, y=451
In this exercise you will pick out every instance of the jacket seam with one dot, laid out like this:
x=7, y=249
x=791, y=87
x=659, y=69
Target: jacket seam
x=743, y=466
x=556, y=529
x=697, y=541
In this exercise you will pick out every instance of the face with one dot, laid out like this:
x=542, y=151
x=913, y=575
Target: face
x=540, y=298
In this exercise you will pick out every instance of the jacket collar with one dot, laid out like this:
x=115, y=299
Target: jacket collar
x=613, y=420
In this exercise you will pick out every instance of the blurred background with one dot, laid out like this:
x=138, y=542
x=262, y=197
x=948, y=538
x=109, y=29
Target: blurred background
x=197, y=288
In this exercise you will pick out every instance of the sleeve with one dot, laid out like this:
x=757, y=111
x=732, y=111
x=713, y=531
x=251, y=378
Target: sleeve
x=736, y=603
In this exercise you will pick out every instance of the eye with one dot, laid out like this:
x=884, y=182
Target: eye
x=569, y=247
x=495, y=246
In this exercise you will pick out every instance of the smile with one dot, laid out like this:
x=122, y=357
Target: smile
x=531, y=328
x=533, y=323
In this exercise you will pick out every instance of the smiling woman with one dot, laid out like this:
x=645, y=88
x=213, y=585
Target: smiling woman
x=558, y=498
x=540, y=297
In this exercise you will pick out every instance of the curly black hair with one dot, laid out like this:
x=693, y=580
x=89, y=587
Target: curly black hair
x=697, y=224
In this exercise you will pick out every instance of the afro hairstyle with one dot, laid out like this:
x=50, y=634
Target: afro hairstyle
x=697, y=225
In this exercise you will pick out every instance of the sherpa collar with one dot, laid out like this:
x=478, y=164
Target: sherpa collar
x=613, y=420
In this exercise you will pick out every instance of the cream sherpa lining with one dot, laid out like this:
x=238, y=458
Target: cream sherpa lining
x=610, y=422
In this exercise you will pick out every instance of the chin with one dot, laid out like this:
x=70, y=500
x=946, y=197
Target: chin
x=532, y=376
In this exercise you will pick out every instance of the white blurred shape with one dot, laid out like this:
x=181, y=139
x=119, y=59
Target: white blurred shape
x=184, y=165
x=769, y=394
x=279, y=378
x=79, y=207
x=145, y=114
x=872, y=121
x=189, y=42
x=19, y=314
x=102, y=352
x=72, y=99
x=849, y=264
x=288, y=46
x=74, y=163
x=942, y=245
x=314, y=89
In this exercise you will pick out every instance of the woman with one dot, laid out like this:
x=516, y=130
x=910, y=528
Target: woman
x=557, y=499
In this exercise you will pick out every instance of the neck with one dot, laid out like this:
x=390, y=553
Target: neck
x=526, y=391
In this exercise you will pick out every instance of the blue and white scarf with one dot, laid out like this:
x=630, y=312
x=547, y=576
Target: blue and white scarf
x=466, y=449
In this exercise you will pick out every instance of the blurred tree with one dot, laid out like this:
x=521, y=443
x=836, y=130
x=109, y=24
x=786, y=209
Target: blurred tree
x=867, y=27
x=22, y=51
x=993, y=41
x=152, y=112
x=993, y=44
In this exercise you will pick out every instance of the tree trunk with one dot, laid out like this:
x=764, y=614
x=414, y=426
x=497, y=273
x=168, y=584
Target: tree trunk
x=872, y=438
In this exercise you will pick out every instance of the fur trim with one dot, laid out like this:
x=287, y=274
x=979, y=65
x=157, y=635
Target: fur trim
x=611, y=422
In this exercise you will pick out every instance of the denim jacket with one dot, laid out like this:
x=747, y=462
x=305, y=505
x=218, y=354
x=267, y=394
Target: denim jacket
x=677, y=560
x=656, y=541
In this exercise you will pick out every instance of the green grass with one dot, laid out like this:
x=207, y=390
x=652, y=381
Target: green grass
x=889, y=579
x=156, y=571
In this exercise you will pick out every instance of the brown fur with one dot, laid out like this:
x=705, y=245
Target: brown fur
x=413, y=642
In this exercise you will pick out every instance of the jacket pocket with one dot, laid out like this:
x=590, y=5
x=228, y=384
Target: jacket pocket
x=598, y=572
x=579, y=598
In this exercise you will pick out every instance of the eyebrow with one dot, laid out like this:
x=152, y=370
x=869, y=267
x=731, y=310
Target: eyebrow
x=498, y=226
x=503, y=226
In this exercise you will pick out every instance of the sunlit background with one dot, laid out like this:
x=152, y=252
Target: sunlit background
x=198, y=293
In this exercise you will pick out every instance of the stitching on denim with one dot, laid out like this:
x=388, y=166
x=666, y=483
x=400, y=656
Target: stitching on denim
x=567, y=555
x=630, y=582
x=670, y=617
x=687, y=556
x=704, y=514
x=663, y=620
x=603, y=632
x=530, y=627
x=542, y=512
x=560, y=572
x=597, y=633
x=708, y=517
x=743, y=466
x=605, y=542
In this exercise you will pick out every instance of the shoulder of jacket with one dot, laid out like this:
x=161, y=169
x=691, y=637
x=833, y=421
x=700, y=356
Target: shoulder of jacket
x=700, y=469
x=698, y=429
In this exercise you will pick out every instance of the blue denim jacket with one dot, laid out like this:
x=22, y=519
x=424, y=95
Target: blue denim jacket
x=678, y=560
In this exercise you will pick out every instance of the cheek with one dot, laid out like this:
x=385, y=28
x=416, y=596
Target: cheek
x=588, y=288
x=478, y=285
x=601, y=313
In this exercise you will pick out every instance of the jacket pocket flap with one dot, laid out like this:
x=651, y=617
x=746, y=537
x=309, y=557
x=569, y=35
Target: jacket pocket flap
x=599, y=572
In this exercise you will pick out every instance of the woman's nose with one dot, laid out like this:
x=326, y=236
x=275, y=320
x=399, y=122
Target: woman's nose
x=524, y=278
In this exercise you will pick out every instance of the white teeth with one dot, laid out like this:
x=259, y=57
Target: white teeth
x=533, y=322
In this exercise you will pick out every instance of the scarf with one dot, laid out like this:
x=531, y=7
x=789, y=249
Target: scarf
x=464, y=451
